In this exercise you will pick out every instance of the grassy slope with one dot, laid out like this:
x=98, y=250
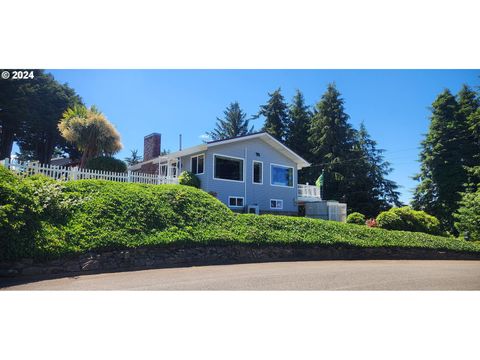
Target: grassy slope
x=117, y=215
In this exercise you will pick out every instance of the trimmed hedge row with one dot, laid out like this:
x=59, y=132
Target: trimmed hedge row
x=42, y=218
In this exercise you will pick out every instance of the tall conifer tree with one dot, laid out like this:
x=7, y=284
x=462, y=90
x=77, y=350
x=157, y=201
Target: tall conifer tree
x=276, y=116
x=442, y=174
x=332, y=142
x=234, y=123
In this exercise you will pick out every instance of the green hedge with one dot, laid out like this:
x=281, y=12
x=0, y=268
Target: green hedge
x=42, y=218
x=356, y=218
x=106, y=163
x=190, y=179
x=407, y=219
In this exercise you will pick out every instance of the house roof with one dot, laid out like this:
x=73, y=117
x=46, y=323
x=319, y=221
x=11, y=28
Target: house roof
x=301, y=162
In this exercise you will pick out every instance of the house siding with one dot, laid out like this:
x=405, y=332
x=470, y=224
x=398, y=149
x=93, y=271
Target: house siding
x=253, y=194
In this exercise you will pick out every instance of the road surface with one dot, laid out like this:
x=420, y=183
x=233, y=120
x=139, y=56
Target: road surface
x=305, y=275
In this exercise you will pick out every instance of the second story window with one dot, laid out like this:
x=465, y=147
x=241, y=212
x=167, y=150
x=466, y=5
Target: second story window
x=198, y=164
x=257, y=172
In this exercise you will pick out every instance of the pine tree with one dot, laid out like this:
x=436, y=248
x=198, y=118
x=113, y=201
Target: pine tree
x=442, y=174
x=332, y=141
x=275, y=112
x=383, y=193
x=234, y=124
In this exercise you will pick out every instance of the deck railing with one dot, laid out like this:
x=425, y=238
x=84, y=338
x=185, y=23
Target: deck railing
x=74, y=173
x=308, y=191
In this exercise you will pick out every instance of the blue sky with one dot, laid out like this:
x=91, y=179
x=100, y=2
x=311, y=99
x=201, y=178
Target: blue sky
x=394, y=104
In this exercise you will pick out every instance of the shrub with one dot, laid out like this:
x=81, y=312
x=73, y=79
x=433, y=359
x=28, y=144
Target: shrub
x=106, y=163
x=41, y=218
x=356, y=218
x=190, y=179
x=19, y=217
x=407, y=219
x=468, y=216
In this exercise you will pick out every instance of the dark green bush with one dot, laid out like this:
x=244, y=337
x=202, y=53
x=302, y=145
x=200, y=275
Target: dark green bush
x=356, y=218
x=468, y=216
x=190, y=179
x=19, y=217
x=106, y=163
x=407, y=219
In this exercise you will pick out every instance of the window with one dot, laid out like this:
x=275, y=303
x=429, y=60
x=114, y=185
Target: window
x=276, y=204
x=257, y=172
x=228, y=168
x=281, y=175
x=197, y=163
x=235, y=201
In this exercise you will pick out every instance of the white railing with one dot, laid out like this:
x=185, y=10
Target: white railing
x=66, y=173
x=308, y=191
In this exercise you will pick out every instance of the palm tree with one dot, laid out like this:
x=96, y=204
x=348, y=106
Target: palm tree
x=90, y=131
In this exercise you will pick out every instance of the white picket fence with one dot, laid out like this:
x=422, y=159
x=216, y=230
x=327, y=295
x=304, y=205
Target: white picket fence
x=67, y=173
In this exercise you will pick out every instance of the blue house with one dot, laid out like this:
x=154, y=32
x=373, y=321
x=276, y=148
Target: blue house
x=252, y=173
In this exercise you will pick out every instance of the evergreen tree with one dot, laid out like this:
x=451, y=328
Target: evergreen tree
x=233, y=124
x=334, y=149
x=383, y=193
x=296, y=137
x=442, y=174
x=468, y=104
x=275, y=112
x=47, y=100
x=474, y=168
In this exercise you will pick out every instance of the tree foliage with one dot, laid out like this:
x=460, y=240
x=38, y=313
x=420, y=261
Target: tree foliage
x=467, y=218
x=448, y=152
x=234, y=123
x=276, y=115
x=134, y=158
x=30, y=111
x=296, y=135
x=90, y=131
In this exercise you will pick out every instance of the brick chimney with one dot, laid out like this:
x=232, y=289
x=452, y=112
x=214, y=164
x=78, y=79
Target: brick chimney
x=151, y=146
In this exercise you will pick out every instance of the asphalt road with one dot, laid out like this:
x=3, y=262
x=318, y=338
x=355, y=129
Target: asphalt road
x=311, y=275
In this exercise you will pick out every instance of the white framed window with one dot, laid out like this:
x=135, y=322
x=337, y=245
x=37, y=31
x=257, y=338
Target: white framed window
x=235, y=201
x=281, y=175
x=257, y=172
x=197, y=164
x=276, y=204
x=228, y=168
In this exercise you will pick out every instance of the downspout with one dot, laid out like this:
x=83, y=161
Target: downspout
x=245, y=176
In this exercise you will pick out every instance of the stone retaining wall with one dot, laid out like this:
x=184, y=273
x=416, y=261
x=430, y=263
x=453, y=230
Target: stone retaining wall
x=144, y=258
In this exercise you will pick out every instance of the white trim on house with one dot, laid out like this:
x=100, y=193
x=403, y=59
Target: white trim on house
x=301, y=162
x=253, y=172
x=297, y=159
x=236, y=197
x=283, y=166
x=191, y=167
x=244, y=175
x=277, y=201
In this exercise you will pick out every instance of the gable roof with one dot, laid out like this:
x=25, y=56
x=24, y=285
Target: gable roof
x=269, y=139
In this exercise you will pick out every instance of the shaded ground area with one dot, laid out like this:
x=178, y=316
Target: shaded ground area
x=311, y=275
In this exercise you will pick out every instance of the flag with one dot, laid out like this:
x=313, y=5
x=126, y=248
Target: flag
x=319, y=182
